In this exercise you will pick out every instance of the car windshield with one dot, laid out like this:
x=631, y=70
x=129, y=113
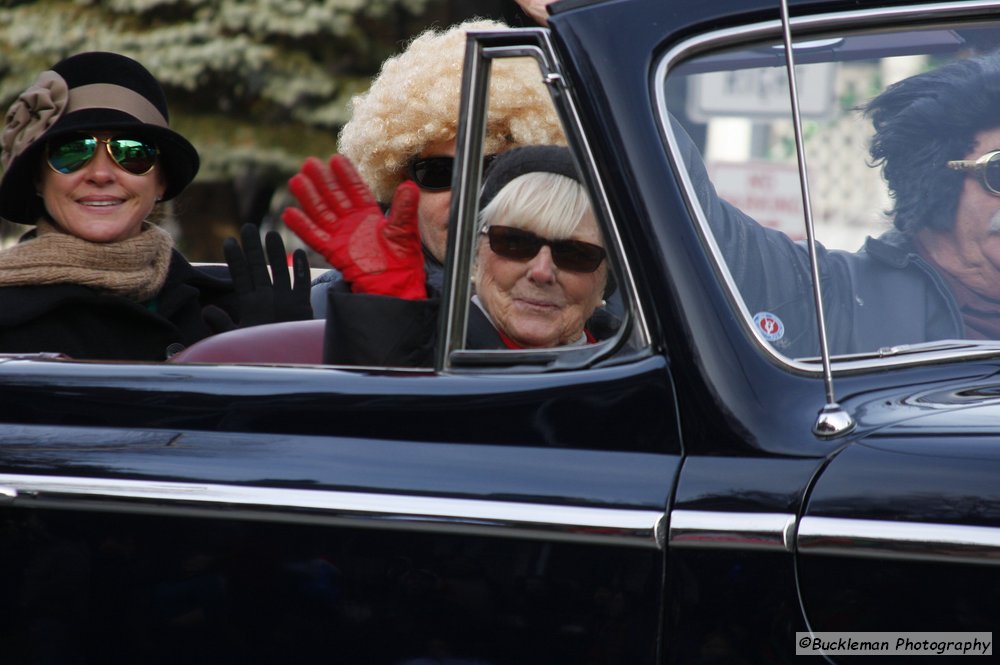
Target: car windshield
x=902, y=149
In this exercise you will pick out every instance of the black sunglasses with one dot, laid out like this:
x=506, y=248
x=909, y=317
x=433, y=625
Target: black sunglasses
x=987, y=167
x=434, y=173
x=135, y=155
x=520, y=245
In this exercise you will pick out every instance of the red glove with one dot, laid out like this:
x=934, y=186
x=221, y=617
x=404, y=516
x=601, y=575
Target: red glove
x=341, y=220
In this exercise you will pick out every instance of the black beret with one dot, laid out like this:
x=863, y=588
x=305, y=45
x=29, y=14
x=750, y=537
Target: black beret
x=527, y=159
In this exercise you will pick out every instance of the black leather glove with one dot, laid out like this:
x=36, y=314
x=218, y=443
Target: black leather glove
x=262, y=300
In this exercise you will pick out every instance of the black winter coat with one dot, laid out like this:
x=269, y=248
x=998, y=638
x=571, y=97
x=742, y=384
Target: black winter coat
x=883, y=295
x=84, y=323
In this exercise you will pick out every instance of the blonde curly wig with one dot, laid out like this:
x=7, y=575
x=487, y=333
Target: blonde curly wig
x=413, y=102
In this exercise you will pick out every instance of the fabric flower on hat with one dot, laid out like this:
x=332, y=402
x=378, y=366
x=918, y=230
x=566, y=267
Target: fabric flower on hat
x=32, y=113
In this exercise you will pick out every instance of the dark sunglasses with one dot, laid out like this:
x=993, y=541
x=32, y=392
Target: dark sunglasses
x=137, y=156
x=986, y=167
x=520, y=245
x=434, y=173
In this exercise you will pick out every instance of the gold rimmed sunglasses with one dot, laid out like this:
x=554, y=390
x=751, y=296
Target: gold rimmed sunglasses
x=986, y=167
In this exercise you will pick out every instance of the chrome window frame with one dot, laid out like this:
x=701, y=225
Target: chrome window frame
x=482, y=49
x=807, y=27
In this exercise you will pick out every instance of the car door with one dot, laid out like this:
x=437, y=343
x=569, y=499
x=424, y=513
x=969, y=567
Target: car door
x=165, y=512
x=496, y=508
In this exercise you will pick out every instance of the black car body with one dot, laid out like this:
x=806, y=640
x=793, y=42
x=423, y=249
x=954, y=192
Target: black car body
x=662, y=497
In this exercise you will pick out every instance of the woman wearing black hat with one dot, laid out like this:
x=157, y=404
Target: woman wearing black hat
x=88, y=152
x=541, y=272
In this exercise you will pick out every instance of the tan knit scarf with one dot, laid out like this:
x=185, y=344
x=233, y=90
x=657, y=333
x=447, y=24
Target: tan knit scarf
x=135, y=268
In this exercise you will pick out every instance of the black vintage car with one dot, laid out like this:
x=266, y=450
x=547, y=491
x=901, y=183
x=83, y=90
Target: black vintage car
x=691, y=490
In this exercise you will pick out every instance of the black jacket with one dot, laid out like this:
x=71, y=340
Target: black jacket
x=84, y=323
x=880, y=296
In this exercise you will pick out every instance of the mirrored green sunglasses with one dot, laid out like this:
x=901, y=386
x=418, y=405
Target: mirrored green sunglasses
x=137, y=156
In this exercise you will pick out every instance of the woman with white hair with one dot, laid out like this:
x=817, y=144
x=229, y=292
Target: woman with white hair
x=404, y=127
x=540, y=265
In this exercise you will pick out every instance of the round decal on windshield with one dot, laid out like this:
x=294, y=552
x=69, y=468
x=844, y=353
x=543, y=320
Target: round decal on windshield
x=769, y=325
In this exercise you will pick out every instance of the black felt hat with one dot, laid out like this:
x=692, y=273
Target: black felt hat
x=87, y=92
x=527, y=159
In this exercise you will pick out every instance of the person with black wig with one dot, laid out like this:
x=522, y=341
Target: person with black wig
x=936, y=274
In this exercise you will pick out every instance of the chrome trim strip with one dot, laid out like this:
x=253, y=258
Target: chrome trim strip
x=721, y=530
x=905, y=541
x=861, y=19
x=629, y=527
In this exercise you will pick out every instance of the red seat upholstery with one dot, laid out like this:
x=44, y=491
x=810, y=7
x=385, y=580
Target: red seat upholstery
x=297, y=342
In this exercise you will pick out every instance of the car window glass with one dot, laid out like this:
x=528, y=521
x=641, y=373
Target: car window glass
x=730, y=116
x=545, y=271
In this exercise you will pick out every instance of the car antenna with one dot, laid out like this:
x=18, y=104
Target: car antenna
x=833, y=420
